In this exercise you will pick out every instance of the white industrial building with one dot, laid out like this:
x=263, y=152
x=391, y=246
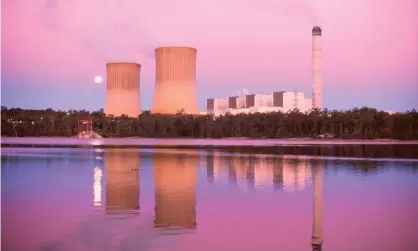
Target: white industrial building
x=252, y=103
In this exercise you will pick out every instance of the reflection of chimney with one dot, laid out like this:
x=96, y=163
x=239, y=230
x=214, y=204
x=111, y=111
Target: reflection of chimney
x=175, y=176
x=317, y=208
x=122, y=180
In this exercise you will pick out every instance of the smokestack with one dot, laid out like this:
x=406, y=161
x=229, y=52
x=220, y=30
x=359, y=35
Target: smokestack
x=317, y=67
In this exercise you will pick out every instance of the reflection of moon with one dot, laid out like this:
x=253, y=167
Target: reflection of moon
x=97, y=187
x=98, y=79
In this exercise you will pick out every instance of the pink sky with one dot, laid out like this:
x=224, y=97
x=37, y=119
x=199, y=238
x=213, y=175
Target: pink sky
x=54, y=47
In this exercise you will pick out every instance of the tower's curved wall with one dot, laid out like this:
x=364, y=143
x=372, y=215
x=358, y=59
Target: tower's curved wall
x=175, y=83
x=122, y=90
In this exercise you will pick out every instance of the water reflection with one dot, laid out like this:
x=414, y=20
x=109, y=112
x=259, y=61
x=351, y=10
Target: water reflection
x=122, y=181
x=353, y=206
x=296, y=173
x=343, y=150
x=97, y=187
x=175, y=177
x=317, y=206
x=285, y=172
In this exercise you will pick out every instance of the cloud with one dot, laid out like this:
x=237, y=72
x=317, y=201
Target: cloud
x=113, y=30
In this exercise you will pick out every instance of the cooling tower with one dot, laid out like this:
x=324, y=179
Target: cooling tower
x=122, y=94
x=317, y=67
x=175, y=84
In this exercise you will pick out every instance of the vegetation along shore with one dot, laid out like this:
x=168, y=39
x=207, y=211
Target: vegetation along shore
x=362, y=123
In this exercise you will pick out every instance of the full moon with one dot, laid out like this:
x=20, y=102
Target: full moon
x=98, y=79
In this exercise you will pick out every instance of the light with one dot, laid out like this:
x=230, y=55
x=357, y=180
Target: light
x=97, y=187
x=96, y=142
x=98, y=79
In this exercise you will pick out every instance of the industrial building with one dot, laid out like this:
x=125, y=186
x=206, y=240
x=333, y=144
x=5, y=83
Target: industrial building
x=122, y=89
x=251, y=103
x=277, y=101
x=176, y=89
x=175, y=84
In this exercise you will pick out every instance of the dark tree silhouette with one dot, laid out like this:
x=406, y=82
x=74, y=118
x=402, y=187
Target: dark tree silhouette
x=363, y=123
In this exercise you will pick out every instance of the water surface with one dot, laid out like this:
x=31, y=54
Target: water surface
x=172, y=199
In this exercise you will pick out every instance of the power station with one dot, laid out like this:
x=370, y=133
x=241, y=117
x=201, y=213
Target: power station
x=122, y=89
x=317, y=67
x=175, y=81
x=176, y=90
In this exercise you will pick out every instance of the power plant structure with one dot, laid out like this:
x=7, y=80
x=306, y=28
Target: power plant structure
x=282, y=101
x=175, y=83
x=176, y=89
x=317, y=67
x=123, y=89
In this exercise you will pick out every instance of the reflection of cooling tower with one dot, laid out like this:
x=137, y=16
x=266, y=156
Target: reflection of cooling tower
x=317, y=67
x=122, y=180
x=317, y=208
x=122, y=95
x=175, y=84
x=175, y=177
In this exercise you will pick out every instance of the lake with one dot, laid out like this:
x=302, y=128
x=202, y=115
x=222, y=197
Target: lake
x=67, y=199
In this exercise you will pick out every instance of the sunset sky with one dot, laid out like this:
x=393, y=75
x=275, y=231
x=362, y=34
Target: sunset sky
x=53, y=49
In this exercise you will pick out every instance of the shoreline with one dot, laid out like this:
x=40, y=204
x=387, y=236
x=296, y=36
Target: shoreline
x=136, y=142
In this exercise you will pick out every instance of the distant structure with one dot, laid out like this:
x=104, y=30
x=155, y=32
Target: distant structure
x=175, y=83
x=123, y=94
x=85, y=130
x=317, y=67
x=251, y=103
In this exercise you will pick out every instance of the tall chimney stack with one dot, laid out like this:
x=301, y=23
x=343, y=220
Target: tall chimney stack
x=317, y=67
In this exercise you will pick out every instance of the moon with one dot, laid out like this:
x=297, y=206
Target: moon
x=98, y=79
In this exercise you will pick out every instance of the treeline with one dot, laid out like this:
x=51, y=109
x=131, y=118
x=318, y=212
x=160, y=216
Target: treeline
x=363, y=123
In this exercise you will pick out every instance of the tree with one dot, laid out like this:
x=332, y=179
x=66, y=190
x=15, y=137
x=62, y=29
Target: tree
x=362, y=123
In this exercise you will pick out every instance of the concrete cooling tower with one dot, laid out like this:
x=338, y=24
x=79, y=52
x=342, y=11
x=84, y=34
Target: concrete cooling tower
x=317, y=67
x=122, y=94
x=175, y=84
